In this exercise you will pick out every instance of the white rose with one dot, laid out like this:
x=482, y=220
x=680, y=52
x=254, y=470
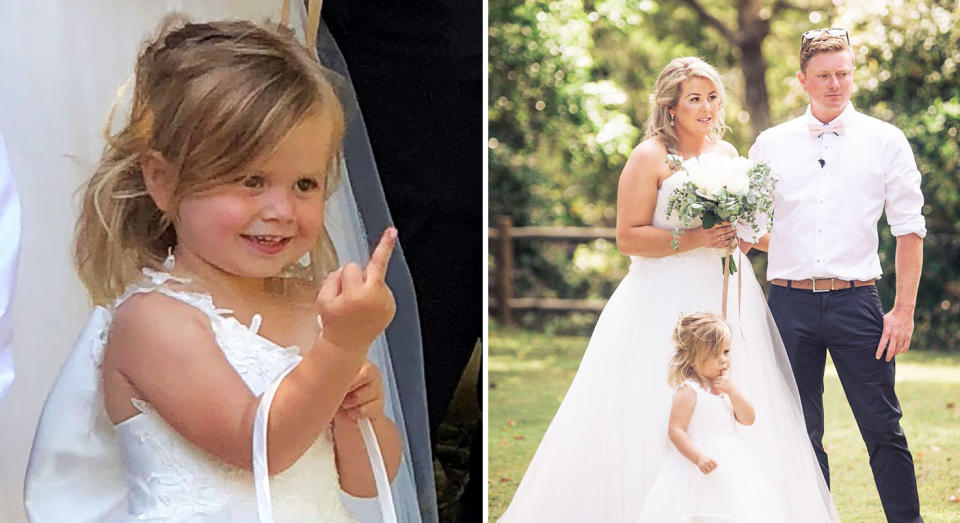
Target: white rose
x=712, y=172
x=703, y=172
x=735, y=177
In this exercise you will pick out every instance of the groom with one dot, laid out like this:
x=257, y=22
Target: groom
x=839, y=170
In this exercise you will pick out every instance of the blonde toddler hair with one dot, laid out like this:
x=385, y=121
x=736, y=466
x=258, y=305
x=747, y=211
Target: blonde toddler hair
x=696, y=338
x=210, y=99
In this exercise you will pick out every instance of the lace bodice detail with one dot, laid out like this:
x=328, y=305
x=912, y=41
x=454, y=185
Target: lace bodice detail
x=712, y=417
x=170, y=478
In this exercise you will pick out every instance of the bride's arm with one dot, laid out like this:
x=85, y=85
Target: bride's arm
x=636, y=201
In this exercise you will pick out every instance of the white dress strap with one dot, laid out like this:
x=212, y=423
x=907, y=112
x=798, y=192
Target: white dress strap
x=387, y=510
x=261, y=470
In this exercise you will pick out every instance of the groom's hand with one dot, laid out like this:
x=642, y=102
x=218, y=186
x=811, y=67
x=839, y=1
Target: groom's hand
x=897, y=332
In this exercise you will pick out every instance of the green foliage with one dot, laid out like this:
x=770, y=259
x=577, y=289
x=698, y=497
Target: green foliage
x=557, y=136
x=570, y=82
x=907, y=58
x=551, y=123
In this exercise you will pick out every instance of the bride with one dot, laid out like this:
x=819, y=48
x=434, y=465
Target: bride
x=607, y=442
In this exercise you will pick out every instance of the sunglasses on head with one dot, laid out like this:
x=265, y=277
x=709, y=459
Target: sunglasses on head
x=814, y=33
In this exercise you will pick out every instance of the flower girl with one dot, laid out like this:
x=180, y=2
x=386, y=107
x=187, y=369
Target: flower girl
x=214, y=370
x=712, y=476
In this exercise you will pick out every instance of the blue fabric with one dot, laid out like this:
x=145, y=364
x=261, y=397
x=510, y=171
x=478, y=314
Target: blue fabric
x=848, y=323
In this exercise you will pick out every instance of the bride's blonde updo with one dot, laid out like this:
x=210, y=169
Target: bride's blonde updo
x=696, y=338
x=667, y=95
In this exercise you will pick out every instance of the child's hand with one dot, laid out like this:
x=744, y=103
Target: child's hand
x=364, y=399
x=723, y=383
x=354, y=305
x=706, y=464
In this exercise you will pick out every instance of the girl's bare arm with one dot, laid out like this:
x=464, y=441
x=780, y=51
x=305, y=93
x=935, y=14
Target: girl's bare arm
x=684, y=401
x=167, y=352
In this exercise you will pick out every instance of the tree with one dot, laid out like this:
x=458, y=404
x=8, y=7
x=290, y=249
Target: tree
x=907, y=59
x=569, y=87
x=553, y=129
x=557, y=136
x=753, y=27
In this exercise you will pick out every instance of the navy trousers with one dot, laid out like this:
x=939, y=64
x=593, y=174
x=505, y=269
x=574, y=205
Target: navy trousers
x=848, y=323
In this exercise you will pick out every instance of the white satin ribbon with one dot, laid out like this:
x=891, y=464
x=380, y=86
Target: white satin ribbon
x=261, y=474
x=384, y=495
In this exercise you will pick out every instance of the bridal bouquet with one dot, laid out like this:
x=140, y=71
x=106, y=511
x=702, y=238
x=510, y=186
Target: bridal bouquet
x=721, y=188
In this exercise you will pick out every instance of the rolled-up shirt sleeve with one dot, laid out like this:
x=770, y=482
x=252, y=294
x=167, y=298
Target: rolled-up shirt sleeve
x=9, y=253
x=903, y=200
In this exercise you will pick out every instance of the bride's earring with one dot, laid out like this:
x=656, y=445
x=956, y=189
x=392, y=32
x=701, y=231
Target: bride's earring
x=672, y=122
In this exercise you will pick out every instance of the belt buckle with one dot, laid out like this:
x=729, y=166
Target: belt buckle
x=814, y=285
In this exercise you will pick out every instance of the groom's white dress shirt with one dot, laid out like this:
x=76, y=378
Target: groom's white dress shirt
x=9, y=250
x=825, y=218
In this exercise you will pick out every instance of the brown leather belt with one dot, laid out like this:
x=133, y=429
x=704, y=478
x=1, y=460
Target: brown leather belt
x=822, y=284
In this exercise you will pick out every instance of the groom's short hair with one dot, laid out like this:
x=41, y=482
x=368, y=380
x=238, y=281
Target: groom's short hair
x=825, y=43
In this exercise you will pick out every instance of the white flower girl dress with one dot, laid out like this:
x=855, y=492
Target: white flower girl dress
x=143, y=469
x=738, y=490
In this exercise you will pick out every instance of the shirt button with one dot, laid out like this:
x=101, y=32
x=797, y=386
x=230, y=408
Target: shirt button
x=818, y=260
x=820, y=200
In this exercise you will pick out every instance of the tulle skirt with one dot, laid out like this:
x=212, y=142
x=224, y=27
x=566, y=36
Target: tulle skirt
x=737, y=491
x=602, y=452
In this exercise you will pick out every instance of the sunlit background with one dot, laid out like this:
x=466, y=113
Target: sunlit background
x=570, y=82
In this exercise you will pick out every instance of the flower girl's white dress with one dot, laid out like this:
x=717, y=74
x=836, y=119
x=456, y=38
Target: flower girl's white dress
x=603, y=450
x=738, y=490
x=144, y=470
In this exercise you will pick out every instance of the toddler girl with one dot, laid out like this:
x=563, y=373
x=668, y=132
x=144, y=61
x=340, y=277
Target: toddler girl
x=215, y=370
x=713, y=475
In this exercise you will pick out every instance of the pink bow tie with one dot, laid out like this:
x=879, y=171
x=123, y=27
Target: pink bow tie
x=816, y=131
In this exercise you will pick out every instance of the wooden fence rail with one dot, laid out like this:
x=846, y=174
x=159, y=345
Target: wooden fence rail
x=503, y=235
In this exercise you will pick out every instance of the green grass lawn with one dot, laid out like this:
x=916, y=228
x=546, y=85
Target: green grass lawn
x=928, y=386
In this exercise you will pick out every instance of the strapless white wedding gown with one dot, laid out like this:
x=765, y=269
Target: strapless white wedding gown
x=608, y=440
